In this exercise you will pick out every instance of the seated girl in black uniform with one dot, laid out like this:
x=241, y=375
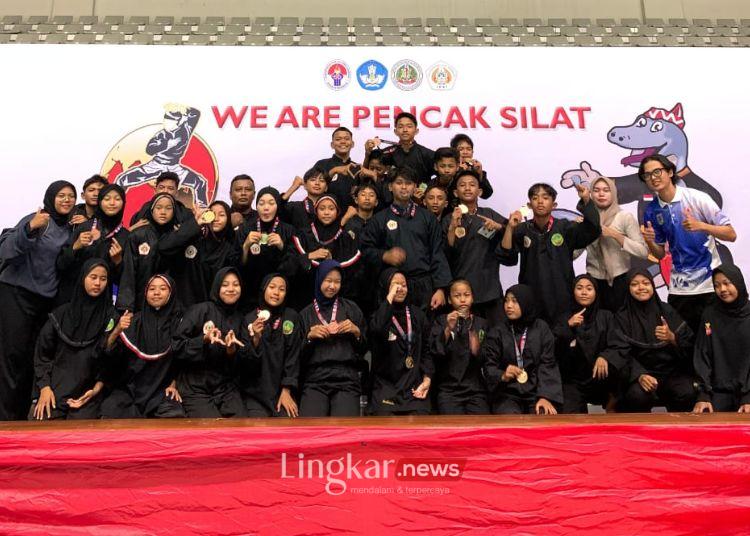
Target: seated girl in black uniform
x=67, y=362
x=519, y=356
x=333, y=328
x=455, y=344
x=402, y=367
x=660, y=346
x=273, y=337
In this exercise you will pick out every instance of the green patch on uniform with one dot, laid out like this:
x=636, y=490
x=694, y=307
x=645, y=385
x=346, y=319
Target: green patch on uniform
x=481, y=335
x=288, y=327
x=111, y=325
x=557, y=239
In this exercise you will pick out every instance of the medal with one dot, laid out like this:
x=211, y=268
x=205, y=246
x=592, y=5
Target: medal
x=264, y=239
x=255, y=249
x=460, y=232
x=523, y=377
x=208, y=326
x=208, y=217
x=264, y=236
x=264, y=315
x=464, y=209
x=409, y=362
x=333, y=327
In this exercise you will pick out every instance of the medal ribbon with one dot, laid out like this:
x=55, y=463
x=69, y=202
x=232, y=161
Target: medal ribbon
x=408, y=335
x=273, y=229
x=333, y=314
x=519, y=346
x=410, y=210
x=326, y=242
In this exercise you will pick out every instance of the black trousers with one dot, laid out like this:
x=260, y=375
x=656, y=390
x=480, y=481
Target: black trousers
x=384, y=412
x=224, y=401
x=330, y=400
x=577, y=394
x=504, y=404
x=677, y=392
x=690, y=308
x=449, y=403
x=725, y=400
x=120, y=405
x=253, y=408
x=21, y=317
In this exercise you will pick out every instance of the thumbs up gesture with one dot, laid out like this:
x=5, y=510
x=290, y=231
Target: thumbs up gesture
x=664, y=334
x=649, y=235
x=689, y=221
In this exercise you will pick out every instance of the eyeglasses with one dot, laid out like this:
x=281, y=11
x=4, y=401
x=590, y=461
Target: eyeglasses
x=650, y=175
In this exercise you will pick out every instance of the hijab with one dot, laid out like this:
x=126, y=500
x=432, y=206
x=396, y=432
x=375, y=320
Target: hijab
x=49, y=201
x=606, y=217
x=639, y=320
x=150, y=333
x=327, y=232
x=215, y=244
x=109, y=223
x=324, y=269
x=278, y=310
x=739, y=307
x=83, y=320
x=590, y=313
x=166, y=227
x=524, y=295
x=216, y=287
x=266, y=226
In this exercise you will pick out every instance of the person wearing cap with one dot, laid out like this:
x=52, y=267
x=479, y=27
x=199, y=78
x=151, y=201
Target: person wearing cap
x=409, y=237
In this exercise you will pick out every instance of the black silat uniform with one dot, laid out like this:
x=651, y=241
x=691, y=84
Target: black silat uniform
x=474, y=257
x=298, y=214
x=418, y=233
x=547, y=258
x=419, y=159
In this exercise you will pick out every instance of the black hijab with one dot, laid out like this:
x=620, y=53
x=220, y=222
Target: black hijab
x=150, y=333
x=639, y=320
x=166, y=227
x=525, y=297
x=49, y=201
x=216, y=287
x=109, y=223
x=278, y=310
x=591, y=310
x=324, y=269
x=327, y=232
x=266, y=226
x=82, y=321
x=739, y=307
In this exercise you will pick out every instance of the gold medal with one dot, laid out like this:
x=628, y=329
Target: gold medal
x=255, y=249
x=409, y=362
x=523, y=377
x=264, y=239
x=460, y=232
x=208, y=217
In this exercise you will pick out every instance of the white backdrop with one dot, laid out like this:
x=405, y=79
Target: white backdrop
x=65, y=107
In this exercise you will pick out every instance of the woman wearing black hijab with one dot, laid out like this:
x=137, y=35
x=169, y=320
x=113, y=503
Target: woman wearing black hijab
x=519, y=355
x=28, y=284
x=206, y=343
x=67, y=358
x=722, y=348
x=270, y=367
x=402, y=366
x=207, y=249
x=154, y=248
x=591, y=357
x=332, y=353
x=660, y=347
x=325, y=239
x=264, y=245
x=101, y=237
x=140, y=371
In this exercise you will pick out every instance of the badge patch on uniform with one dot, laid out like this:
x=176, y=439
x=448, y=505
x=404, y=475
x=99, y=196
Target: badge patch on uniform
x=573, y=343
x=660, y=219
x=208, y=326
x=391, y=336
x=557, y=239
x=708, y=329
x=526, y=242
x=392, y=225
x=191, y=252
x=110, y=325
x=354, y=236
x=144, y=248
x=481, y=336
x=287, y=327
